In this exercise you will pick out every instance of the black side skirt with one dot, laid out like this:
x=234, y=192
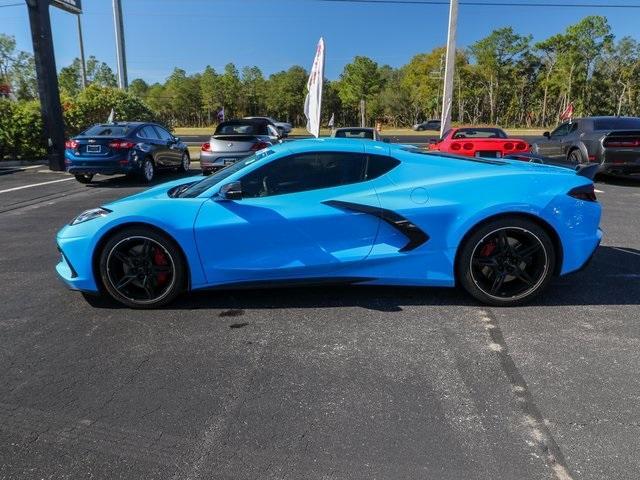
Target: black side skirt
x=416, y=236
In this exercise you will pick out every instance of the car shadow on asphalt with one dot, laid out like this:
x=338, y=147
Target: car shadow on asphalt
x=123, y=181
x=612, y=278
x=618, y=180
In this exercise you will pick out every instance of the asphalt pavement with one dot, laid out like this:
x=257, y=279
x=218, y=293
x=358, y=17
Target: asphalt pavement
x=313, y=383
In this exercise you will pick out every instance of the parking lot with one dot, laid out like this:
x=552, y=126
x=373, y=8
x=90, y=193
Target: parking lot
x=319, y=383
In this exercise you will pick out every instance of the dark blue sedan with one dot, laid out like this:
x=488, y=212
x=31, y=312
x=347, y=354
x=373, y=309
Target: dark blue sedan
x=133, y=148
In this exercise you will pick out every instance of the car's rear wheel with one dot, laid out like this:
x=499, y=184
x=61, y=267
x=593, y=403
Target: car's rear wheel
x=507, y=261
x=575, y=157
x=142, y=268
x=185, y=163
x=148, y=172
x=84, y=177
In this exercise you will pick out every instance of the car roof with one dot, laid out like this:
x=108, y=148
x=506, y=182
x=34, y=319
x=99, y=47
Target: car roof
x=354, y=128
x=244, y=121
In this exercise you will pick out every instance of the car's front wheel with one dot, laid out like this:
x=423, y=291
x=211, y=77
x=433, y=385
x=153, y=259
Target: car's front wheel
x=84, y=177
x=142, y=268
x=506, y=262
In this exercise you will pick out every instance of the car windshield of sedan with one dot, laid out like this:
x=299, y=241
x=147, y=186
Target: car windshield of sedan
x=206, y=183
x=479, y=133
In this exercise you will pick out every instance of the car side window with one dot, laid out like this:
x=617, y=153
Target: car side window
x=304, y=172
x=163, y=134
x=378, y=165
x=561, y=130
x=148, y=133
x=574, y=127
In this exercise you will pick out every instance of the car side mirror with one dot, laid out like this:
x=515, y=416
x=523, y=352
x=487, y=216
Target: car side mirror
x=231, y=191
x=546, y=134
x=176, y=139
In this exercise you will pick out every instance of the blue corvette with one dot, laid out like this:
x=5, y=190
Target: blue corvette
x=338, y=210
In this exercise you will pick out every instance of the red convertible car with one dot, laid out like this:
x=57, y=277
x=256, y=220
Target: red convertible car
x=479, y=142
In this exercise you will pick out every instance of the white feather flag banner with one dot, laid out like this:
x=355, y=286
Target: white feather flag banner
x=313, y=102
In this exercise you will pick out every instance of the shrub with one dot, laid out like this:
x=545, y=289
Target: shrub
x=21, y=133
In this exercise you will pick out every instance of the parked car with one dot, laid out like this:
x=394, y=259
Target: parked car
x=340, y=211
x=284, y=128
x=612, y=142
x=362, y=133
x=428, y=125
x=235, y=140
x=133, y=148
x=479, y=142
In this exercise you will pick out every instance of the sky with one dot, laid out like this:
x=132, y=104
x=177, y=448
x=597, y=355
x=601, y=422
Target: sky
x=276, y=34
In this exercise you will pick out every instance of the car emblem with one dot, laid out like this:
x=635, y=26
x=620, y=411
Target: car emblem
x=91, y=140
x=229, y=144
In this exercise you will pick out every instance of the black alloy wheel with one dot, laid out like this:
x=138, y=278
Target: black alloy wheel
x=185, y=163
x=575, y=157
x=141, y=268
x=507, y=262
x=148, y=172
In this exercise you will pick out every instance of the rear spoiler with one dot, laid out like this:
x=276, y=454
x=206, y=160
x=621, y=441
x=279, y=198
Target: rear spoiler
x=588, y=170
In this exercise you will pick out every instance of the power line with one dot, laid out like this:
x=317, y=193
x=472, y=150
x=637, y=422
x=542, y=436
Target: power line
x=12, y=5
x=484, y=4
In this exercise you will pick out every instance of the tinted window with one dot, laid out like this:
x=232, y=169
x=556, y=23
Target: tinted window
x=238, y=128
x=208, y=182
x=378, y=165
x=616, y=124
x=107, y=131
x=561, y=130
x=148, y=132
x=355, y=133
x=299, y=173
x=164, y=135
x=479, y=133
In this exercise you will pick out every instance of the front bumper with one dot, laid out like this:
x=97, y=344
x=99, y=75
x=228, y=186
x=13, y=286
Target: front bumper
x=75, y=266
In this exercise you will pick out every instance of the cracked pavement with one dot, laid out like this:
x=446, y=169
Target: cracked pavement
x=317, y=383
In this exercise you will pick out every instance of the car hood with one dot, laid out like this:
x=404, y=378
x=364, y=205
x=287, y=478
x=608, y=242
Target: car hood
x=157, y=192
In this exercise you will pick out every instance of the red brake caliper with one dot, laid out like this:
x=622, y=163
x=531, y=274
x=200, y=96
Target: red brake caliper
x=488, y=249
x=160, y=259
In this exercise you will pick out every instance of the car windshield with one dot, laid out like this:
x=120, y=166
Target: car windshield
x=479, y=133
x=241, y=128
x=107, y=131
x=208, y=182
x=616, y=124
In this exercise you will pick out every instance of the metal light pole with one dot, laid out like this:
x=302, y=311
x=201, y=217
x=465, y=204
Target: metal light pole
x=47, y=81
x=83, y=65
x=120, y=51
x=447, y=95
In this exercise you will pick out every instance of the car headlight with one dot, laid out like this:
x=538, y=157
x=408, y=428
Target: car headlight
x=90, y=215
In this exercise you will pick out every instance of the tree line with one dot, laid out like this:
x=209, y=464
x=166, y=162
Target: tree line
x=503, y=79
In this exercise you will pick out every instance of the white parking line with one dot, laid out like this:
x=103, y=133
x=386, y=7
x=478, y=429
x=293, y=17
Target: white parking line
x=598, y=191
x=35, y=185
x=626, y=251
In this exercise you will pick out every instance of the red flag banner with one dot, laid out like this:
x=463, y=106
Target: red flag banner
x=568, y=112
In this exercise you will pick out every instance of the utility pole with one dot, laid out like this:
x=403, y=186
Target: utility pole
x=47, y=81
x=120, y=50
x=447, y=95
x=83, y=65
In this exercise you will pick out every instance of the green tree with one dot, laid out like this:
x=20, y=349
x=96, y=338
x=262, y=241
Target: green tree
x=139, y=88
x=210, y=92
x=253, y=91
x=285, y=93
x=230, y=90
x=360, y=80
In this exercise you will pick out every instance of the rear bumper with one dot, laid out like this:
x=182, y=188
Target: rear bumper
x=216, y=160
x=77, y=165
x=621, y=161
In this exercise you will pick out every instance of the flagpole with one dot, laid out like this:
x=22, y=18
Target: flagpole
x=449, y=69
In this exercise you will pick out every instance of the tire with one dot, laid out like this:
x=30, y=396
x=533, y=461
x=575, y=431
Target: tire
x=185, y=163
x=148, y=172
x=575, y=157
x=84, y=177
x=142, y=268
x=506, y=274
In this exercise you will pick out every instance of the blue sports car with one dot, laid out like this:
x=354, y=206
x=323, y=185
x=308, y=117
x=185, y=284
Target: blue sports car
x=340, y=211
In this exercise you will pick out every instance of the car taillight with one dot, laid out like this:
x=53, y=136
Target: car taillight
x=259, y=146
x=121, y=145
x=455, y=146
x=468, y=146
x=71, y=144
x=508, y=146
x=521, y=146
x=633, y=143
x=205, y=147
x=585, y=192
